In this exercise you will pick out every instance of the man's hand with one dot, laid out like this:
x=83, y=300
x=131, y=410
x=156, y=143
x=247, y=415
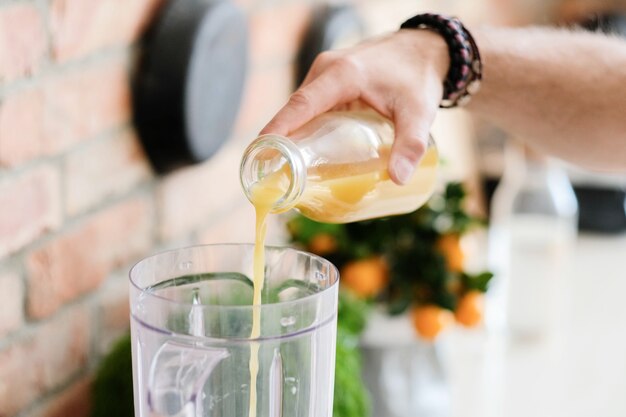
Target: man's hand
x=400, y=76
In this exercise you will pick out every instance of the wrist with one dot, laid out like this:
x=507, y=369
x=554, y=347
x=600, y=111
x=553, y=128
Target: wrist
x=464, y=73
x=432, y=47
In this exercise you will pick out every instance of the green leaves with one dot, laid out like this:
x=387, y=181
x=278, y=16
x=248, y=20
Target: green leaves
x=446, y=213
x=351, y=399
x=352, y=313
x=418, y=271
x=478, y=282
x=303, y=230
x=113, y=383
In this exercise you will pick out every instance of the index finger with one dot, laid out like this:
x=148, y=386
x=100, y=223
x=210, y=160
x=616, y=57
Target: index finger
x=329, y=89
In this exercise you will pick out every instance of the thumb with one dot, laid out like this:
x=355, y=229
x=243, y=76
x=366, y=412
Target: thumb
x=412, y=128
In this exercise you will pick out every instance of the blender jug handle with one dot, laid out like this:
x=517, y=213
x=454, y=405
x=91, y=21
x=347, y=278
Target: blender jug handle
x=177, y=377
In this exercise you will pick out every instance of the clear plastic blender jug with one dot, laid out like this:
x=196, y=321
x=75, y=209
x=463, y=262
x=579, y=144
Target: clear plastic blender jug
x=191, y=318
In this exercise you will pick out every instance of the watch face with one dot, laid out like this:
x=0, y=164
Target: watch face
x=189, y=81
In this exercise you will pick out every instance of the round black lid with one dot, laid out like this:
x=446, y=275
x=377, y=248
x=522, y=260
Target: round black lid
x=189, y=81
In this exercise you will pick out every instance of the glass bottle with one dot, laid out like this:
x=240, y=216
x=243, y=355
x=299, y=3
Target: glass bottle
x=334, y=169
x=534, y=218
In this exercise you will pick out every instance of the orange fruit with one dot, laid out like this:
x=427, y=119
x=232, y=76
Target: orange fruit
x=429, y=320
x=365, y=277
x=450, y=247
x=469, y=311
x=323, y=244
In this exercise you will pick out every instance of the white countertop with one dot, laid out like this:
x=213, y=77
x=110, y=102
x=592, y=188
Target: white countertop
x=578, y=372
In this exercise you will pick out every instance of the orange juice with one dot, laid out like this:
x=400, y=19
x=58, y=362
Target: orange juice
x=343, y=194
x=337, y=169
x=265, y=194
x=336, y=172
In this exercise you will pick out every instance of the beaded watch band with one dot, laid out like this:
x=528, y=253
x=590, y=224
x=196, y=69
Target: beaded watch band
x=465, y=73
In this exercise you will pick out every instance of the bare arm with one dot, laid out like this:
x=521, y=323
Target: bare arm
x=564, y=92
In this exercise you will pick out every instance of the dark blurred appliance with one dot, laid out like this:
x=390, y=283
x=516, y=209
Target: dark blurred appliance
x=332, y=26
x=189, y=80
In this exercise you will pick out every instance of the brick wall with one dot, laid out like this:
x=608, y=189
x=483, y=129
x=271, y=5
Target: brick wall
x=79, y=202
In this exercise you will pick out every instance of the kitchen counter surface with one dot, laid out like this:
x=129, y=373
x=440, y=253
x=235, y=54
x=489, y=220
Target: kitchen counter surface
x=579, y=371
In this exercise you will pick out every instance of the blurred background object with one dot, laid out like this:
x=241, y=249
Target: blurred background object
x=332, y=26
x=534, y=219
x=189, y=81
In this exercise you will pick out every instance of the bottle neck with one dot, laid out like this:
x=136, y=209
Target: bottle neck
x=275, y=162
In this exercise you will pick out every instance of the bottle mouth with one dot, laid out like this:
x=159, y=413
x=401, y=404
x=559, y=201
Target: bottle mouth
x=270, y=155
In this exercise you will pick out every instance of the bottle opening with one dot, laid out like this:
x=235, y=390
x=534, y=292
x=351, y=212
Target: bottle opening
x=273, y=168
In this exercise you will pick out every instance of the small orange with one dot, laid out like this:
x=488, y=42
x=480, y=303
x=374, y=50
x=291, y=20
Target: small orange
x=469, y=311
x=323, y=244
x=429, y=320
x=365, y=277
x=450, y=247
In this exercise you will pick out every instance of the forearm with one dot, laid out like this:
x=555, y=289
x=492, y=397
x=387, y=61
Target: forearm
x=563, y=92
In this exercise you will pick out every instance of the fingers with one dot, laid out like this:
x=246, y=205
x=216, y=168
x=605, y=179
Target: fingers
x=335, y=85
x=412, y=123
x=321, y=63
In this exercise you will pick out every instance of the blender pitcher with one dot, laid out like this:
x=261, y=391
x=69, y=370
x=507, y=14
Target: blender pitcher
x=191, y=318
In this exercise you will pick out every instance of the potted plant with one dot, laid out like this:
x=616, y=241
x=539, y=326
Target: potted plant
x=410, y=270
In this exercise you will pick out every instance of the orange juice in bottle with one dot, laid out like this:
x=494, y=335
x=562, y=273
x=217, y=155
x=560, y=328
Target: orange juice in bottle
x=334, y=169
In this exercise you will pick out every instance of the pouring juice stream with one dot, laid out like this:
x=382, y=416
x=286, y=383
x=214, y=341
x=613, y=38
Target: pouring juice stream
x=264, y=195
x=336, y=172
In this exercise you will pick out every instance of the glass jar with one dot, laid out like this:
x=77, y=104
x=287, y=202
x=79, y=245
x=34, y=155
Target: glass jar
x=334, y=169
x=533, y=229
